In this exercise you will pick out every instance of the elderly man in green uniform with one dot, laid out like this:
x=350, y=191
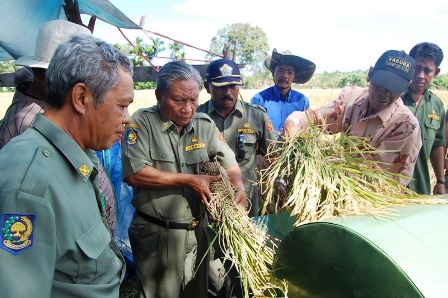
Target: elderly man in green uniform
x=55, y=240
x=246, y=127
x=430, y=112
x=165, y=149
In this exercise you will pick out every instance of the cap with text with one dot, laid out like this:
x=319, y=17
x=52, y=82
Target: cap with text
x=223, y=72
x=393, y=71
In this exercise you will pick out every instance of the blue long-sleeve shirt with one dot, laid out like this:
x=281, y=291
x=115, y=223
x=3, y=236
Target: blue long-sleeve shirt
x=278, y=107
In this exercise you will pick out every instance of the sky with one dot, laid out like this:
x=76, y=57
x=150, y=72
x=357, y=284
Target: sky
x=345, y=35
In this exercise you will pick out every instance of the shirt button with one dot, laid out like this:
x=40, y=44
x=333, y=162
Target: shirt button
x=46, y=153
x=163, y=155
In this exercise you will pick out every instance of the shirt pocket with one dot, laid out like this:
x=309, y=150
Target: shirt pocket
x=249, y=147
x=251, y=143
x=431, y=127
x=162, y=155
x=97, y=257
x=196, y=156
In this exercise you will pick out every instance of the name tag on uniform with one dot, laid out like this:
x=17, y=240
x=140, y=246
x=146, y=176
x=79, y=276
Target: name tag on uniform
x=195, y=146
x=245, y=130
x=435, y=117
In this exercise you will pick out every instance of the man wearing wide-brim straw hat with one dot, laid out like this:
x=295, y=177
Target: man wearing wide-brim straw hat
x=281, y=100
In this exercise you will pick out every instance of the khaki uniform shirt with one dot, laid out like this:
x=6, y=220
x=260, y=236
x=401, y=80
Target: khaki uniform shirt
x=55, y=241
x=253, y=123
x=394, y=128
x=153, y=140
x=431, y=116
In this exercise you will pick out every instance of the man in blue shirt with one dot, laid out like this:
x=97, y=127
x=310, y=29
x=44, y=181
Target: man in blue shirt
x=280, y=100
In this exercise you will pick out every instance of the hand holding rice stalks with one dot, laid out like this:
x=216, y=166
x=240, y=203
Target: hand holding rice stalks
x=244, y=243
x=330, y=175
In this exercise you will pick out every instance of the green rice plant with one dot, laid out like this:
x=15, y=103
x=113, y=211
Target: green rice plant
x=330, y=175
x=244, y=243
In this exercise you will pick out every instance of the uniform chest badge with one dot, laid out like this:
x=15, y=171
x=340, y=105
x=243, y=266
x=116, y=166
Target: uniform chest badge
x=17, y=232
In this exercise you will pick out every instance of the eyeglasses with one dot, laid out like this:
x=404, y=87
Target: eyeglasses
x=240, y=153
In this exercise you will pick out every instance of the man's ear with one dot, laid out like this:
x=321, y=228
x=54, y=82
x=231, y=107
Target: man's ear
x=207, y=87
x=158, y=95
x=80, y=97
x=369, y=75
x=437, y=71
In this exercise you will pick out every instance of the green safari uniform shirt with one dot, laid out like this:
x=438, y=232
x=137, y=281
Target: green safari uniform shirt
x=160, y=254
x=253, y=123
x=431, y=116
x=55, y=241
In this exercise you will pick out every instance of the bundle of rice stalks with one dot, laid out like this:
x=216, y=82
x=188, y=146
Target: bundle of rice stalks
x=331, y=175
x=245, y=244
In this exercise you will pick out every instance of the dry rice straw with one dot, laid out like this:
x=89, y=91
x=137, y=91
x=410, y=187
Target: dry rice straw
x=329, y=175
x=244, y=243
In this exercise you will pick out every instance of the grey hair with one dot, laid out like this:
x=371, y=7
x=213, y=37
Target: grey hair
x=174, y=71
x=84, y=59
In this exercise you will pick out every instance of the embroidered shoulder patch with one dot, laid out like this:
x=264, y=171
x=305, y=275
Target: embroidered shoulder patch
x=131, y=138
x=17, y=232
x=221, y=137
x=269, y=125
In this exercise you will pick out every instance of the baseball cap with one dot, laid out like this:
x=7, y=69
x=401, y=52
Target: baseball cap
x=50, y=35
x=393, y=71
x=223, y=72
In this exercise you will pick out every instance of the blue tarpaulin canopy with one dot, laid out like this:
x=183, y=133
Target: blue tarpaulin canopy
x=20, y=21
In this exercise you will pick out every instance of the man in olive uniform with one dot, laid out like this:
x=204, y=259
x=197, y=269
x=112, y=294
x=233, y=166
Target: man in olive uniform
x=55, y=240
x=246, y=127
x=165, y=149
x=430, y=112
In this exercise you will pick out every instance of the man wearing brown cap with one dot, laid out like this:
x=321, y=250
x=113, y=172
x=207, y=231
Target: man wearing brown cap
x=376, y=112
x=281, y=100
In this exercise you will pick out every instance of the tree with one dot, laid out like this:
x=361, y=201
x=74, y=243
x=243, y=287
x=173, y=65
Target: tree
x=177, y=51
x=7, y=67
x=252, y=43
x=141, y=51
x=147, y=50
x=440, y=82
x=354, y=79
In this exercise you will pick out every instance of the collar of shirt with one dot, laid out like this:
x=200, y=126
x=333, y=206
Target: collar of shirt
x=166, y=124
x=385, y=114
x=409, y=101
x=80, y=160
x=211, y=108
x=279, y=95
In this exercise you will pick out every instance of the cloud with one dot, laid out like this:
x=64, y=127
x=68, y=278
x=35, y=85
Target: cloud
x=340, y=35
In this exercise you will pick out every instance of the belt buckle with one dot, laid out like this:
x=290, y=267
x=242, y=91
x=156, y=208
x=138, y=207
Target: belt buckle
x=193, y=224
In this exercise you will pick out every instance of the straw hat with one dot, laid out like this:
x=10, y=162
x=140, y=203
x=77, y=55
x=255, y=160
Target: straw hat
x=50, y=35
x=304, y=68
